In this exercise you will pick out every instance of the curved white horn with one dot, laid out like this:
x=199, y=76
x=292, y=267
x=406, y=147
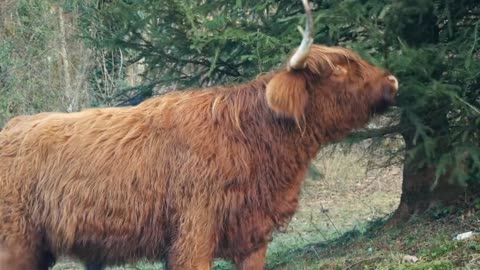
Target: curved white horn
x=298, y=60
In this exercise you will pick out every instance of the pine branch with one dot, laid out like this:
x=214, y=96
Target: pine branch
x=377, y=133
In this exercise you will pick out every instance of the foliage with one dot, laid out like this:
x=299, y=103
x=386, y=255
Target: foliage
x=431, y=45
x=198, y=43
x=441, y=67
x=31, y=74
x=25, y=60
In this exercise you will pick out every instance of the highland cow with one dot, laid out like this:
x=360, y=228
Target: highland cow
x=186, y=177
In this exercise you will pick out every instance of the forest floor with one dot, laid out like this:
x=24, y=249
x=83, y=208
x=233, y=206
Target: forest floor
x=339, y=225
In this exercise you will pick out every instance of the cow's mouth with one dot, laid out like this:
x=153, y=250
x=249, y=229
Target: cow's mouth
x=387, y=98
x=382, y=106
x=386, y=101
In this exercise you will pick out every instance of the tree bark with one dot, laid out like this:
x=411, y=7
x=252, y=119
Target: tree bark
x=418, y=195
x=418, y=191
x=71, y=96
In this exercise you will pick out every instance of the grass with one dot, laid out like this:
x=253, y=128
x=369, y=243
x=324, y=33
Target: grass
x=428, y=239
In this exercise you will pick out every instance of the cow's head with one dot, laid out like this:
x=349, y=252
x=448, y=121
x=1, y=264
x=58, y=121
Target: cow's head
x=318, y=76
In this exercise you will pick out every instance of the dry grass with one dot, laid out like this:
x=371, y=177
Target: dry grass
x=347, y=193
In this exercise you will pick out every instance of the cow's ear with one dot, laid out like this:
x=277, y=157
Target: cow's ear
x=287, y=94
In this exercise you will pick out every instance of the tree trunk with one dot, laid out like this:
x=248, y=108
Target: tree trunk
x=418, y=190
x=418, y=195
x=71, y=96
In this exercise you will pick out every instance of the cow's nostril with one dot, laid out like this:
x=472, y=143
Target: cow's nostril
x=394, y=81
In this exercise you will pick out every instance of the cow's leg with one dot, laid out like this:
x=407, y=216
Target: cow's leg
x=21, y=254
x=255, y=261
x=188, y=256
x=177, y=262
x=21, y=245
x=194, y=245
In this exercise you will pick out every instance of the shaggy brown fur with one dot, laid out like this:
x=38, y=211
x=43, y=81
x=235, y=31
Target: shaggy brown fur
x=185, y=177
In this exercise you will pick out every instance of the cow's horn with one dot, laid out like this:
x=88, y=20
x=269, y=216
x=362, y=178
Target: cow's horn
x=298, y=60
